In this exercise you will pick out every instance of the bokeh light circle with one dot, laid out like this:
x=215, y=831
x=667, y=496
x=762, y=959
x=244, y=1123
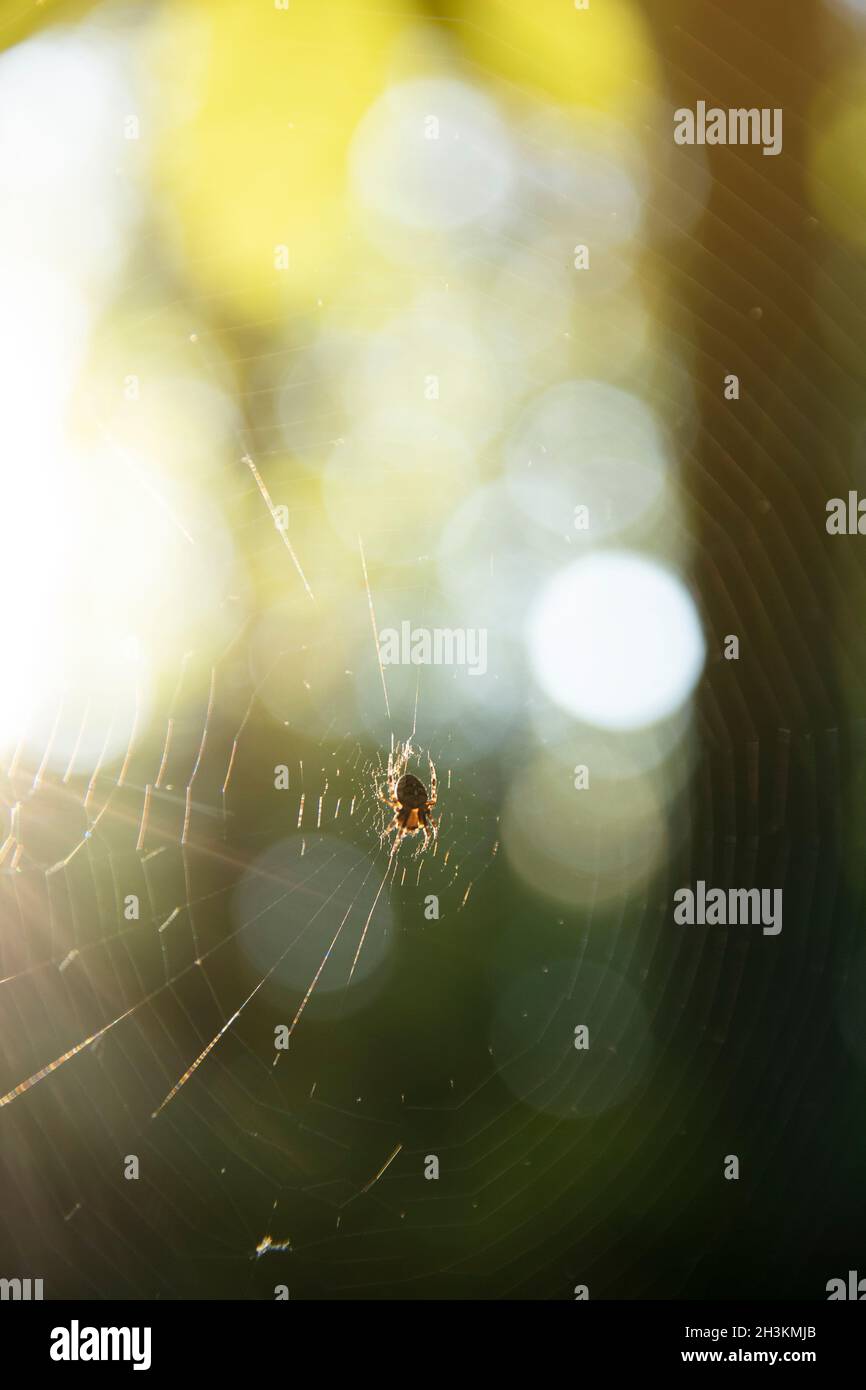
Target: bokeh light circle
x=615, y=639
x=305, y=901
x=585, y=443
x=432, y=154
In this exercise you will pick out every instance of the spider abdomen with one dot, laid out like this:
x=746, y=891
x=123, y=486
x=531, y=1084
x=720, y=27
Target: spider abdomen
x=411, y=792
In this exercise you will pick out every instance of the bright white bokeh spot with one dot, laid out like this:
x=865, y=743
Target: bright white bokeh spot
x=44, y=332
x=432, y=155
x=615, y=639
x=63, y=97
x=102, y=578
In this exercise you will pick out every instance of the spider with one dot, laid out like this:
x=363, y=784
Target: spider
x=409, y=799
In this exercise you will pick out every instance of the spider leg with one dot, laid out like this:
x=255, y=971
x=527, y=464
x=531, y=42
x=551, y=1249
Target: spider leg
x=392, y=779
x=432, y=798
x=398, y=838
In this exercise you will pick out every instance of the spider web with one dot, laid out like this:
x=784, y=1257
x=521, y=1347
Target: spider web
x=252, y=843
x=154, y=1036
x=244, y=818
